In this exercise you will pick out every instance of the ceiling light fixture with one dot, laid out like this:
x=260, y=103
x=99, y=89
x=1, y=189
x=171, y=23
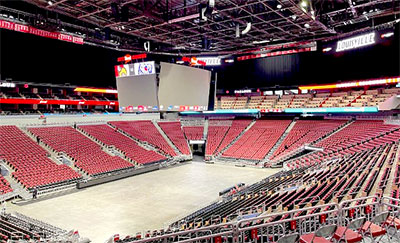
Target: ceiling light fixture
x=279, y=6
x=261, y=42
x=307, y=25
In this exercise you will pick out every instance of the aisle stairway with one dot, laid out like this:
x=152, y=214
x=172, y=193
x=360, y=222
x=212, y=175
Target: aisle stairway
x=141, y=143
x=218, y=155
x=279, y=142
x=56, y=156
x=166, y=138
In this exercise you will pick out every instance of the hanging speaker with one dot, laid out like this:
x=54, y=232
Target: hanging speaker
x=107, y=33
x=125, y=13
x=115, y=10
x=237, y=28
x=205, y=43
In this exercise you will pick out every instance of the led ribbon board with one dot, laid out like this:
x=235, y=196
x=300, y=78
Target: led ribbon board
x=43, y=33
x=369, y=109
x=95, y=90
x=356, y=42
x=362, y=83
x=57, y=102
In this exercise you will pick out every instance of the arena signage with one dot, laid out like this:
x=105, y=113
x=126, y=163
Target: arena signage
x=140, y=68
x=202, y=61
x=43, y=33
x=356, y=42
x=128, y=58
x=7, y=85
x=144, y=68
x=192, y=108
x=271, y=110
x=193, y=61
x=243, y=91
x=210, y=61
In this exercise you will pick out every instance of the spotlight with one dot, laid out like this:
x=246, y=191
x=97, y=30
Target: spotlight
x=294, y=17
x=279, y=6
x=304, y=4
x=50, y=3
x=307, y=25
x=387, y=35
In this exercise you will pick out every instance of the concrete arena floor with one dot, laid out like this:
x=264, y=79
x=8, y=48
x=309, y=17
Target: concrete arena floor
x=141, y=202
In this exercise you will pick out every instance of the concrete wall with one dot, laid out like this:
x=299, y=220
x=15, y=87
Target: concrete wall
x=24, y=120
x=390, y=104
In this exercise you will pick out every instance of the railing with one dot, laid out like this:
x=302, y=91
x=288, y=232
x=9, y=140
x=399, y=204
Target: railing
x=270, y=227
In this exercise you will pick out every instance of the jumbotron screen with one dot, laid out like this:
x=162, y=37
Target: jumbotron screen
x=137, y=87
x=183, y=88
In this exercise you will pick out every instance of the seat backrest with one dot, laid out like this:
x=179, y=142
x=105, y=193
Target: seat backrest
x=293, y=238
x=357, y=223
x=326, y=231
x=380, y=218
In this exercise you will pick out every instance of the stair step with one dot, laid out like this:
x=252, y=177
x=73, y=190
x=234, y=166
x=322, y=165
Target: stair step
x=217, y=156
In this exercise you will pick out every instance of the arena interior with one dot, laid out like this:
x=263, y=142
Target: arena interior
x=208, y=121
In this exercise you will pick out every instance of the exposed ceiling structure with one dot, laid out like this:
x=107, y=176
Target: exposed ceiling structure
x=175, y=26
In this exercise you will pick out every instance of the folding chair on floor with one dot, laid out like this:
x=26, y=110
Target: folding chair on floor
x=374, y=229
x=350, y=234
x=323, y=235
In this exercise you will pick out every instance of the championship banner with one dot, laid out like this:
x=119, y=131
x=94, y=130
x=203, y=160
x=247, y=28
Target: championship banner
x=43, y=33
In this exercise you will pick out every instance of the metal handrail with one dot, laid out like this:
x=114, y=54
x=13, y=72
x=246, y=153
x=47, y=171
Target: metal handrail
x=236, y=229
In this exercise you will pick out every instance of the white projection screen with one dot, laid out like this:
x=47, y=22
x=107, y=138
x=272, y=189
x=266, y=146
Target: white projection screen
x=183, y=88
x=137, y=93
